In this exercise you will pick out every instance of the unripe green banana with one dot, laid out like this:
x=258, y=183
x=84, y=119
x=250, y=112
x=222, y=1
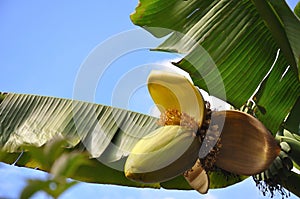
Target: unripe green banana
x=162, y=155
x=294, y=144
x=273, y=169
x=291, y=135
x=297, y=137
x=278, y=163
x=286, y=161
x=285, y=147
x=288, y=134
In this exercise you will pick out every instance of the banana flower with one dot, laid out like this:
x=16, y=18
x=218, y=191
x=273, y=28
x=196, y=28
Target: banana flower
x=241, y=143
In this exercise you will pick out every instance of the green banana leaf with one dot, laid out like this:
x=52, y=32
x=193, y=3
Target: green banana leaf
x=297, y=9
x=277, y=96
x=241, y=40
x=108, y=134
x=293, y=122
x=35, y=120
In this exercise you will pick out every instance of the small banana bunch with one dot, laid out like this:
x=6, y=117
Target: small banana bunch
x=290, y=143
x=194, y=141
x=278, y=173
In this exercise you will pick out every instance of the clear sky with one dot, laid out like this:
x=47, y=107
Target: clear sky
x=43, y=46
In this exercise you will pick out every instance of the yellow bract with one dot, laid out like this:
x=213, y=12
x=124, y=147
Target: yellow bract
x=173, y=91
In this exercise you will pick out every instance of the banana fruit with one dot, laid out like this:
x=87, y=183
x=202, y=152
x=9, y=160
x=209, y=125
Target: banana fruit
x=290, y=143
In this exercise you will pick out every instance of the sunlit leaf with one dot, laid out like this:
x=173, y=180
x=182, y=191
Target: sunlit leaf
x=277, y=95
x=291, y=25
x=283, y=26
x=297, y=9
x=35, y=120
x=231, y=46
x=90, y=169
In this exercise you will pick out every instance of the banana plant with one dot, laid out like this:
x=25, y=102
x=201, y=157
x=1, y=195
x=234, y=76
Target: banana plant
x=254, y=46
x=235, y=34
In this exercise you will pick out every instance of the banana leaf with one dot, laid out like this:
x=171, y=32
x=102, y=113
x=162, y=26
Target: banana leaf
x=230, y=48
x=106, y=133
x=293, y=123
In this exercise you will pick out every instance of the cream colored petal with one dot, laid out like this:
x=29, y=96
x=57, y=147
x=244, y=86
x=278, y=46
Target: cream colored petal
x=174, y=91
x=198, y=178
x=248, y=147
x=162, y=155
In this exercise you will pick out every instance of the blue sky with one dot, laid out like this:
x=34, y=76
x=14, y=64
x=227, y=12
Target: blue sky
x=43, y=46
